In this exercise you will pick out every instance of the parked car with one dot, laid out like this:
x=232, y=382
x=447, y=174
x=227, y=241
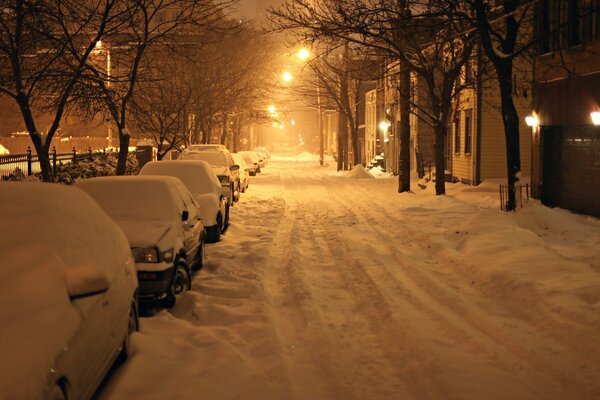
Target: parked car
x=200, y=147
x=261, y=160
x=224, y=167
x=253, y=160
x=68, y=292
x=201, y=181
x=161, y=221
x=263, y=152
x=244, y=171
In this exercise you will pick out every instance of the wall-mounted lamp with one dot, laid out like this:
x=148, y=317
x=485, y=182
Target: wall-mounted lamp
x=532, y=120
x=595, y=117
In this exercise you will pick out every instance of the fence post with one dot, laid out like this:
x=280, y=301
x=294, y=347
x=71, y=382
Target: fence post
x=28, y=160
x=74, y=155
x=53, y=160
x=90, y=152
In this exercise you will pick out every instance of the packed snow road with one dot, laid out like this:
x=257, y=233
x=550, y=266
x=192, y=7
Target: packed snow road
x=327, y=287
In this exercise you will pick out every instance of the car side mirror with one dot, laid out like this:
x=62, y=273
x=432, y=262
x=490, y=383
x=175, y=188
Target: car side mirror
x=234, y=168
x=85, y=280
x=185, y=214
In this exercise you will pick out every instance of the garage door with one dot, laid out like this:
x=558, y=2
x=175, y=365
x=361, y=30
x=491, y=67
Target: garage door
x=571, y=170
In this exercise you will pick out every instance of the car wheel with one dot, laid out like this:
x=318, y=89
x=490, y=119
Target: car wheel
x=58, y=393
x=213, y=233
x=180, y=282
x=133, y=325
x=200, y=255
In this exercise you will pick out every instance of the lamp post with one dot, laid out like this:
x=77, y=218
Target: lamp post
x=304, y=54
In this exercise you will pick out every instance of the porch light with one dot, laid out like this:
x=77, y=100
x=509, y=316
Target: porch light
x=595, y=117
x=532, y=121
x=384, y=125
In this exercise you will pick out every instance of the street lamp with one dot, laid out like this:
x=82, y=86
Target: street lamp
x=303, y=54
x=286, y=76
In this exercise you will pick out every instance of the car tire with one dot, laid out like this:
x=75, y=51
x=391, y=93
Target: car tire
x=133, y=325
x=213, y=233
x=181, y=281
x=58, y=392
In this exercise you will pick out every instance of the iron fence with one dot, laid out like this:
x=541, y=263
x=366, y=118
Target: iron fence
x=521, y=196
x=27, y=163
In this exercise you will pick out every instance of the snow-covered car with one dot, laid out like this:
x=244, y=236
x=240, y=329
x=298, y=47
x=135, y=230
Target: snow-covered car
x=201, y=147
x=260, y=158
x=244, y=171
x=201, y=181
x=160, y=219
x=68, y=291
x=223, y=166
x=252, y=160
x=263, y=152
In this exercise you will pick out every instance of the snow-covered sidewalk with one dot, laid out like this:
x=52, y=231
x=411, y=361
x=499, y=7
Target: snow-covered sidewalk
x=328, y=287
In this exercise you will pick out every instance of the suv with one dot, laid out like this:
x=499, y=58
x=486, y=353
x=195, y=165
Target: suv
x=201, y=181
x=161, y=221
x=223, y=166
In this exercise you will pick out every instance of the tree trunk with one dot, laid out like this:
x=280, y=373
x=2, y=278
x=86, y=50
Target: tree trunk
x=224, y=131
x=511, y=130
x=123, y=152
x=440, y=128
x=356, y=146
x=340, y=141
x=404, y=156
x=36, y=138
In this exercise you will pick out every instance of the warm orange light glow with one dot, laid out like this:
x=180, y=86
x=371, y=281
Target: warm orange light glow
x=287, y=76
x=303, y=54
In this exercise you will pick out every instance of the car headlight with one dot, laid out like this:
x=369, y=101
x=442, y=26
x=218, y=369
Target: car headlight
x=224, y=179
x=145, y=255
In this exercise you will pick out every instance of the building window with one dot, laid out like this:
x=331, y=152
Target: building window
x=468, y=73
x=545, y=11
x=574, y=22
x=457, y=133
x=468, y=130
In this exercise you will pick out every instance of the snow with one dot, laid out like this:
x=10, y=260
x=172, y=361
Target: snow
x=198, y=177
x=359, y=172
x=49, y=233
x=4, y=151
x=326, y=287
x=214, y=157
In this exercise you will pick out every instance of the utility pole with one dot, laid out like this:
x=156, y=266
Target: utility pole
x=320, y=116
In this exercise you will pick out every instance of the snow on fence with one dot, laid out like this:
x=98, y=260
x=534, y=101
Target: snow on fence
x=28, y=163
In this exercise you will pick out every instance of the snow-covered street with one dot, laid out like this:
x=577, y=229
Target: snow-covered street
x=327, y=287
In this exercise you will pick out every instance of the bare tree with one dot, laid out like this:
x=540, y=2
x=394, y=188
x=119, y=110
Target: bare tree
x=44, y=48
x=425, y=36
x=174, y=24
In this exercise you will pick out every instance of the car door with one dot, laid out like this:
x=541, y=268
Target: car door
x=195, y=229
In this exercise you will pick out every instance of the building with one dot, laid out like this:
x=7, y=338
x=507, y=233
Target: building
x=566, y=132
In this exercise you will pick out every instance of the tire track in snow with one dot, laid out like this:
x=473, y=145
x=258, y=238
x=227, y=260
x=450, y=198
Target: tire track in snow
x=467, y=326
x=308, y=373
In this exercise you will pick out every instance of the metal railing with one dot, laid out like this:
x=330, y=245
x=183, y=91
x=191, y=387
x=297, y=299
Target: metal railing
x=27, y=163
x=521, y=196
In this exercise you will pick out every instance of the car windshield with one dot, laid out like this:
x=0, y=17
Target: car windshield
x=134, y=199
x=214, y=158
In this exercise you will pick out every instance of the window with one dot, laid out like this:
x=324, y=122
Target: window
x=468, y=73
x=574, y=22
x=468, y=130
x=457, y=133
x=545, y=25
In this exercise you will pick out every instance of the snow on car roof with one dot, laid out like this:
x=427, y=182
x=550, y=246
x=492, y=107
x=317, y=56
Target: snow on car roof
x=46, y=229
x=197, y=175
x=213, y=157
x=137, y=197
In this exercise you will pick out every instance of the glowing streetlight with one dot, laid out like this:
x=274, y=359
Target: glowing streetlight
x=303, y=54
x=595, y=117
x=275, y=124
x=293, y=122
x=287, y=76
x=271, y=109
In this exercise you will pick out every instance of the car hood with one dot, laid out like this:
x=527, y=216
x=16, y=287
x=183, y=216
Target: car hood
x=148, y=233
